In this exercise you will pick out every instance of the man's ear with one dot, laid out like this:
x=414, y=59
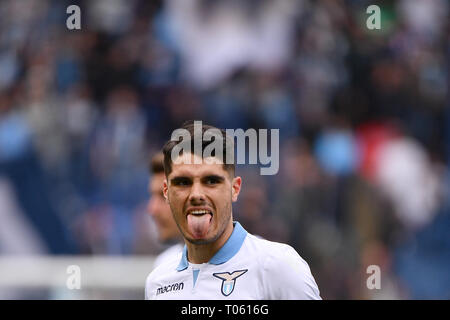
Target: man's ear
x=236, y=188
x=165, y=190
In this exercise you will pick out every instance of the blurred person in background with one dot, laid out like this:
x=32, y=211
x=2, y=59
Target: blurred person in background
x=159, y=209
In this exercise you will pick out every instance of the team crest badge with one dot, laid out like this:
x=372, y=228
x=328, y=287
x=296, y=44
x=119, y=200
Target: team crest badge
x=229, y=280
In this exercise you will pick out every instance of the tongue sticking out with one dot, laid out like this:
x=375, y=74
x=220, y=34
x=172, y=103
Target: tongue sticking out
x=199, y=225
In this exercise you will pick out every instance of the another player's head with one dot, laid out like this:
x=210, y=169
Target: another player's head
x=200, y=193
x=157, y=205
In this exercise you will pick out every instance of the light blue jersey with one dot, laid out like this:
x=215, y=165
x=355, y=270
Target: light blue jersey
x=246, y=267
x=173, y=250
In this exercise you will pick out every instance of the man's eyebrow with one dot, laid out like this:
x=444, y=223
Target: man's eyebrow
x=179, y=179
x=214, y=176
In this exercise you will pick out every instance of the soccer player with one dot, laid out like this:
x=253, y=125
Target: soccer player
x=168, y=233
x=220, y=259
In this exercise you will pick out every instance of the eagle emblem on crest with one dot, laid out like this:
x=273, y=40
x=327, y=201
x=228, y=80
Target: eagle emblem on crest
x=229, y=280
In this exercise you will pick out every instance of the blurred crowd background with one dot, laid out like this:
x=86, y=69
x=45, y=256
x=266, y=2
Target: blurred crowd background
x=364, y=121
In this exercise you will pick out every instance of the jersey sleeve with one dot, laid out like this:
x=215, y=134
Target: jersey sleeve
x=288, y=277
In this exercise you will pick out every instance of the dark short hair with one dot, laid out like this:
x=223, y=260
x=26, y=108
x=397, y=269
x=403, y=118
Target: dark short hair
x=156, y=164
x=227, y=146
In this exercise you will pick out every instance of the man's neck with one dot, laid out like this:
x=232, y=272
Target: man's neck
x=201, y=253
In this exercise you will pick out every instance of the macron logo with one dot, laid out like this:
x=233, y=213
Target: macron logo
x=170, y=287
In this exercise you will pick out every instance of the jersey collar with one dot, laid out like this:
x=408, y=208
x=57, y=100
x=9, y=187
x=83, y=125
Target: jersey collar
x=228, y=250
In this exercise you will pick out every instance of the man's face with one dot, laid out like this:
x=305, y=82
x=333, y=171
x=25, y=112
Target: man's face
x=159, y=209
x=200, y=196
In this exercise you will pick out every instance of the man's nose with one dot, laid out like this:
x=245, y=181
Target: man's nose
x=197, y=195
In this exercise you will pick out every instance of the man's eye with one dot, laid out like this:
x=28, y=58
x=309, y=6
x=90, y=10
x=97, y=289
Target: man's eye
x=181, y=182
x=212, y=181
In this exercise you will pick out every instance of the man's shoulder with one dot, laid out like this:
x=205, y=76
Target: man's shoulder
x=283, y=267
x=272, y=254
x=268, y=247
x=174, y=250
x=164, y=268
